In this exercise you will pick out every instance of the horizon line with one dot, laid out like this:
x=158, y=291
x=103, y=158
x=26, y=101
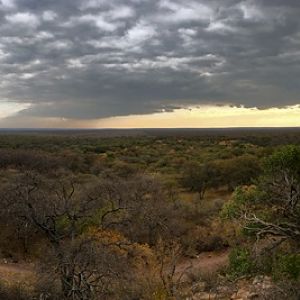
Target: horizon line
x=148, y=128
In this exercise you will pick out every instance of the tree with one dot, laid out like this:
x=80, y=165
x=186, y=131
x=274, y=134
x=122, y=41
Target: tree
x=272, y=207
x=56, y=209
x=138, y=207
x=90, y=229
x=238, y=171
x=99, y=263
x=198, y=178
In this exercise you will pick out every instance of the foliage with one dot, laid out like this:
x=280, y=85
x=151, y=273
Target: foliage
x=271, y=211
x=199, y=178
x=273, y=207
x=287, y=265
x=286, y=159
x=240, y=170
x=240, y=262
x=111, y=217
x=241, y=197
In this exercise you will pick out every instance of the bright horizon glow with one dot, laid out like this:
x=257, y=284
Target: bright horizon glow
x=8, y=108
x=192, y=117
x=210, y=117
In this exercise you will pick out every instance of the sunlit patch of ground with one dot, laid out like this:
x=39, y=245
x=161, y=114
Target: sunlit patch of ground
x=17, y=274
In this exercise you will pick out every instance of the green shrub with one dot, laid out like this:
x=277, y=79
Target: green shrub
x=287, y=265
x=232, y=209
x=240, y=262
x=278, y=265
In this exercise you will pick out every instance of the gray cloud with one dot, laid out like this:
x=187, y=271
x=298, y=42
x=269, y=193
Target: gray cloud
x=98, y=58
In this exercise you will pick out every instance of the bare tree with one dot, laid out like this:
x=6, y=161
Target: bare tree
x=57, y=208
x=168, y=254
x=138, y=207
x=64, y=212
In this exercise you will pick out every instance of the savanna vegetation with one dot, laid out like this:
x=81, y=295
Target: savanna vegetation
x=131, y=215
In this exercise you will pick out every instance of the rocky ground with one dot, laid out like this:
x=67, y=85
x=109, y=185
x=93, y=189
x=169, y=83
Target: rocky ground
x=257, y=288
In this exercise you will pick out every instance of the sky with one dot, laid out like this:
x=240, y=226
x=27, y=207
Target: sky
x=149, y=63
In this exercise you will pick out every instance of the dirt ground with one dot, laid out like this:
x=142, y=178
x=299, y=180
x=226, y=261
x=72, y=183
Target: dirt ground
x=16, y=273
x=204, y=263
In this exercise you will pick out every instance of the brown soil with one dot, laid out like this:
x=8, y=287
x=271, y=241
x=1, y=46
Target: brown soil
x=204, y=263
x=20, y=273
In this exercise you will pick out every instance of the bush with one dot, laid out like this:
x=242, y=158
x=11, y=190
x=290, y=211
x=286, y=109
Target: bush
x=242, y=196
x=240, y=262
x=287, y=265
x=279, y=266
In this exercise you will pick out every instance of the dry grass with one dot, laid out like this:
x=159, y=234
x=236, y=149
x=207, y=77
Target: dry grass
x=19, y=275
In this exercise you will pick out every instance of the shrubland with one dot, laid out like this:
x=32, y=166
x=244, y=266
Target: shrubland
x=122, y=217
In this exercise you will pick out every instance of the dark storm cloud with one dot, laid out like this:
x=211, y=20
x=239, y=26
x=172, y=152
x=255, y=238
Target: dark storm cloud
x=98, y=58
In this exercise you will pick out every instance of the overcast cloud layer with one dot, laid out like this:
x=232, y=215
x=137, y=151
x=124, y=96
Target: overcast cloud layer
x=99, y=58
